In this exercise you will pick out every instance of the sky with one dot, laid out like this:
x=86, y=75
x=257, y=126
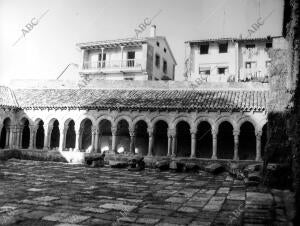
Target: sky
x=45, y=48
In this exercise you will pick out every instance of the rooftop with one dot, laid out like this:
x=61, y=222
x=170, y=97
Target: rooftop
x=134, y=95
x=262, y=38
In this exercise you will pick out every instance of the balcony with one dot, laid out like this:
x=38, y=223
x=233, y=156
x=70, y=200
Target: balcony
x=113, y=66
x=254, y=74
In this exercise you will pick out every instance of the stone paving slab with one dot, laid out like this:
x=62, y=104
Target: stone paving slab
x=48, y=193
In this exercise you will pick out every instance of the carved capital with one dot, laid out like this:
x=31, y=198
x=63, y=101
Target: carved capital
x=114, y=130
x=236, y=133
x=171, y=132
x=132, y=132
x=150, y=131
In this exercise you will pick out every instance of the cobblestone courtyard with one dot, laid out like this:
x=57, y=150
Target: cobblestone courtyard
x=47, y=193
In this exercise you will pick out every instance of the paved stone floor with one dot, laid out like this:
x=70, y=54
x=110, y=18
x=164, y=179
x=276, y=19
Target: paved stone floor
x=48, y=193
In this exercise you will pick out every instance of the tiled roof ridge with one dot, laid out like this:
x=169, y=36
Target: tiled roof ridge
x=233, y=38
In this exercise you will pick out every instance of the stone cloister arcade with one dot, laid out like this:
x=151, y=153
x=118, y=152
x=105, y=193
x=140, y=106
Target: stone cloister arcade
x=214, y=135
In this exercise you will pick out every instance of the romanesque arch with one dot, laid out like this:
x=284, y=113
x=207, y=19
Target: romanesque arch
x=123, y=136
x=25, y=140
x=204, y=140
x=247, y=141
x=105, y=134
x=160, y=134
x=54, y=133
x=183, y=136
x=141, y=137
x=70, y=134
x=225, y=142
x=4, y=138
x=40, y=134
x=86, y=134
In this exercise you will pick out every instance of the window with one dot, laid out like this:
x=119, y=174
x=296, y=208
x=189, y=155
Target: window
x=130, y=58
x=157, y=43
x=157, y=60
x=223, y=47
x=222, y=70
x=250, y=46
x=165, y=69
x=269, y=45
x=128, y=79
x=268, y=63
x=165, y=50
x=204, y=48
x=250, y=64
x=204, y=70
x=99, y=60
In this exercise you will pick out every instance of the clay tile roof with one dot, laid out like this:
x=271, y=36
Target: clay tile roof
x=232, y=100
x=7, y=98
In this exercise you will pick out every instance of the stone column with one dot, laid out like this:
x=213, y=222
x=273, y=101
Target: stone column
x=61, y=138
x=151, y=141
x=169, y=142
x=102, y=51
x=77, y=139
x=121, y=64
x=258, y=146
x=214, y=140
x=12, y=137
x=193, y=143
x=7, y=138
x=93, y=139
x=174, y=143
x=46, y=137
x=18, y=137
x=236, y=145
x=132, y=141
x=97, y=133
x=31, y=129
x=114, y=139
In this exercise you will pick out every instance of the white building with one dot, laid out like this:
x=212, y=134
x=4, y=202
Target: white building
x=147, y=58
x=229, y=59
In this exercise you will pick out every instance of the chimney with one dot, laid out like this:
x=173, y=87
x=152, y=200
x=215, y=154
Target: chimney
x=153, y=31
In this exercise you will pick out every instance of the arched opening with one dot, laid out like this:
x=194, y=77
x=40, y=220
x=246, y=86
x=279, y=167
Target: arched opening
x=160, y=147
x=183, y=136
x=86, y=136
x=70, y=135
x=204, y=140
x=225, y=146
x=247, y=142
x=141, y=138
x=4, y=139
x=105, y=135
x=54, y=138
x=123, y=137
x=40, y=135
x=264, y=139
x=25, y=133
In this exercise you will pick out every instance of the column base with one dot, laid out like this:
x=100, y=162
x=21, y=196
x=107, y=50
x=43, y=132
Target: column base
x=258, y=159
x=236, y=158
x=214, y=157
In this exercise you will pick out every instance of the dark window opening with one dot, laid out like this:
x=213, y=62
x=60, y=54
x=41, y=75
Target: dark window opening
x=223, y=48
x=204, y=49
x=165, y=67
x=100, y=58
x=269, y=45
x=157, y=43
x=130, y=58
x=222, y=70
x=250, y=46
x=165, y=50
x=157, y=60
